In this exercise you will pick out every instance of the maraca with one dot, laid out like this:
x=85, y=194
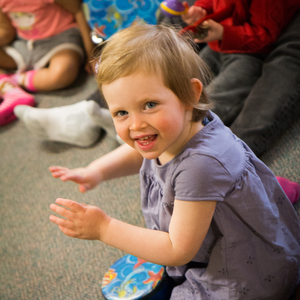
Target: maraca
x=172, y=8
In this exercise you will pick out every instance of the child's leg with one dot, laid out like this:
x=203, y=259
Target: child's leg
x=62, y=71
x=274, y=102
x=229, y=89
x=6, y=61
x=12, y=96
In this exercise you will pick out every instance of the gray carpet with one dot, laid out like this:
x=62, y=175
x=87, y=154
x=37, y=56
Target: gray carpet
x=36, y=260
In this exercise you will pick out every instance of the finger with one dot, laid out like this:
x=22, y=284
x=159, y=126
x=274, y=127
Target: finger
x=71, y=176
x=58, y=174
x=61, y=222
x=58, y=171
x=82, y=188
x=53, y=168
x=64, y=212
x=186, y=5
x=57, y=168
x=198, y=41
x=85, y=187
x=73, y=205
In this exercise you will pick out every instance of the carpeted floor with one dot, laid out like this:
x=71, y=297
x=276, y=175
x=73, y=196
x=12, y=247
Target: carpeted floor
x=36, y=260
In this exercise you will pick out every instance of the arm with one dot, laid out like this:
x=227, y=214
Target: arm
x=188, y=228
x=205, y=4
x=86, y=37
x=189, y=223
x=75, y=7
x=122, y=161
x=259, y=32
x=7, y=31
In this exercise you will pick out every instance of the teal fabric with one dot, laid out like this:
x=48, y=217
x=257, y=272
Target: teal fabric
x=108, y=17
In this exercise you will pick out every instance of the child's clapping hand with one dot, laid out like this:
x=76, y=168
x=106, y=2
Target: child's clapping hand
x=86, y=178
x=82, y=221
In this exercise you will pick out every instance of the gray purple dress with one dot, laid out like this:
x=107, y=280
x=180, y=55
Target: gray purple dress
x=252, y=248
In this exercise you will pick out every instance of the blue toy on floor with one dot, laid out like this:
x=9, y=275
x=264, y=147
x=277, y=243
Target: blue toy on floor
x=134, y=278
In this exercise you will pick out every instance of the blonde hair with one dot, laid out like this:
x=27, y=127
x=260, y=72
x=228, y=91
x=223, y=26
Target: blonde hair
x=156, y=49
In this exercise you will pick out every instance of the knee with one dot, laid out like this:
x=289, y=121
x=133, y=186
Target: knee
x=64, y=76
x=64, y=72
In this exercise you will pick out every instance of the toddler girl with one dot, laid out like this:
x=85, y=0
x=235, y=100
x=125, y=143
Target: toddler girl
x=216, y=216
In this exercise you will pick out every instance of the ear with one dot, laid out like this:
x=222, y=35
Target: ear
x=197, y=87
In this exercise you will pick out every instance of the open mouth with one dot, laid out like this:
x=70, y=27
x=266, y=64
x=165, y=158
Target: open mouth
x=146, y=140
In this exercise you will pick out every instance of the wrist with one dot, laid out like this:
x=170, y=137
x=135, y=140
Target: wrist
x=104, y=228
x=95, y=173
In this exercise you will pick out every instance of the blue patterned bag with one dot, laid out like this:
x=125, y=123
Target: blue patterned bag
x=108, y=16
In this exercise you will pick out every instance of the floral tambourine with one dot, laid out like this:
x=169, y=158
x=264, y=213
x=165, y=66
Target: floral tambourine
x=132, y=278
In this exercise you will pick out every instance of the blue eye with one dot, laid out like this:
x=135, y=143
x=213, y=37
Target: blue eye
x=121, y=113
x=150, y=105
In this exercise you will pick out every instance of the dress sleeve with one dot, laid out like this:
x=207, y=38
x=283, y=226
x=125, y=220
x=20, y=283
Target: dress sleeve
x=266, y=21
x=201, y=177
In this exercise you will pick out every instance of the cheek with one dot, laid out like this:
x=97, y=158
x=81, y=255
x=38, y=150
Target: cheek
x=168, y=125
x=163, y=125
x=118, y=127
x=121, y=131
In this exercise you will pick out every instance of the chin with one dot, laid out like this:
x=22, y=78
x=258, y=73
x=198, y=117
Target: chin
x=149, y=155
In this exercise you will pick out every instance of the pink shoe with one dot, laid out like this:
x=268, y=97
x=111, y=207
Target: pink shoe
x=291, y=189
x=12, y=96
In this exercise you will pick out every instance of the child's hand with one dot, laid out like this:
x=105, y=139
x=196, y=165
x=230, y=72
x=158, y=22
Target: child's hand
x=193, y=14
x=83, y=221
x=89, y=68
x=90, y=65
x=215, y=32
x=86, y=179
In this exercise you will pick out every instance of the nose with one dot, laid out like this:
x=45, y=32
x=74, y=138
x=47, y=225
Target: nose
x=137, y=122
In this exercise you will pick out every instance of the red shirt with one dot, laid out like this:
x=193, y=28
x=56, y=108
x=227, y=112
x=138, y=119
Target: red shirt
x=254, y=25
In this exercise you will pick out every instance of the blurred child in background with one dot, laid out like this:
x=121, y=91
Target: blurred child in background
x=47, y=51
x=254, y=55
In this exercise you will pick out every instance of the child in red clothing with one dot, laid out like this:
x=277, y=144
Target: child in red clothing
x=237, y=46
x=253, y=27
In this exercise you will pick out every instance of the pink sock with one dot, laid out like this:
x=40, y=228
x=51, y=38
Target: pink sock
x=290, y=188
x=3, y=76
x=25, y=80
x=12, y=96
